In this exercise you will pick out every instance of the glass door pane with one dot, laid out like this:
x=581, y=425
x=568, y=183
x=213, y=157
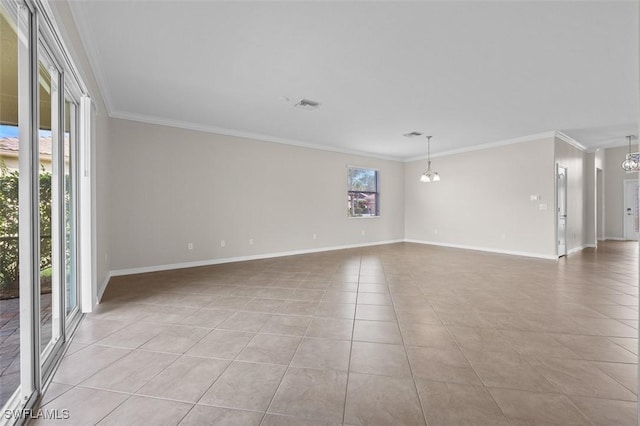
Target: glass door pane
x=9, y=156
x=47, y=89
x=71, y=291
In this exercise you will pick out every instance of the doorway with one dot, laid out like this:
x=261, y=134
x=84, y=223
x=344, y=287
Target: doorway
x=561, y=191
x=631, y=209
x=599, y=206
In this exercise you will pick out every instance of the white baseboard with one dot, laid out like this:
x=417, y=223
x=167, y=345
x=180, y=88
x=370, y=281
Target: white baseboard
x=209, y=262
x=580, y=248
x=485, y=249
x=616, y=239
x=102, y=288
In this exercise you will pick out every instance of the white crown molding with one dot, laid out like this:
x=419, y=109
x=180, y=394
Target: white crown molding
x=485, y=249
x=612, y=143
x=92, y=56
x=571, y=141
x=530, y=138
x=209, y=262
x=240, y=134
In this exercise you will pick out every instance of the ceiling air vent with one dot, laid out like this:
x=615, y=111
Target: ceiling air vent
x=307, y=104
x=412, y=134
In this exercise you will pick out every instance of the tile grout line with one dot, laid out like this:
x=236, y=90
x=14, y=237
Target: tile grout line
x=221, y=373
x=266, y=411
x=193, y=404
x=459, y=347
x=613, y=378
x=406, y=352
x=132, y=394
x=486, y=388
x=353, y=327
x=286, y=371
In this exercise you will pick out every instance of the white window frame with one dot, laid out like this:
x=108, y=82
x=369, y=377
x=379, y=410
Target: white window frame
x=377, y=192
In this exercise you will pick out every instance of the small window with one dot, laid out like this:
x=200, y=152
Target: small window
x=362, y=193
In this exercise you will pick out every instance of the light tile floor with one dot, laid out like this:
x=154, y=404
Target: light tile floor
x=400, y=334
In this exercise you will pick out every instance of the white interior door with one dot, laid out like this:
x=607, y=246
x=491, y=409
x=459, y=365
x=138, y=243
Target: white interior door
x=631, y=210
x=561, y=184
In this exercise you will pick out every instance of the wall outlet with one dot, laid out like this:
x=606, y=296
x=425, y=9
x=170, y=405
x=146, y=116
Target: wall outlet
x=543, y=206
x=435, y=231
x=315, y=236
x=534, y=197
x=503, y=236
x=363, y=232
x=106, y=257
x=190, y=246
x=222, y=243
x=250, y=241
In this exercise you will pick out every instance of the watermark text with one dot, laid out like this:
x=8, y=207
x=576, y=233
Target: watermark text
x=44, y=414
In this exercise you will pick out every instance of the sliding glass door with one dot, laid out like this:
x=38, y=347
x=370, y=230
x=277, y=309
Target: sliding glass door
x=69, y=155
x=10, y=155
x=46, y=180
x=39, y=152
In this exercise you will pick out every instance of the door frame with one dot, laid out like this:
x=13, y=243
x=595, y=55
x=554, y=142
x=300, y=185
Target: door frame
x=624, y=207
x=599, y=206
x=557, y=210
x=40, y=43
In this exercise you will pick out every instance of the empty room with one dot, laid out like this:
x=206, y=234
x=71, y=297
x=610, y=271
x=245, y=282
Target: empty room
x=319, y=212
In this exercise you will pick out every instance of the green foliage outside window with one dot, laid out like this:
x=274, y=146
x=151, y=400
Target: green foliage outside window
x=9, y=228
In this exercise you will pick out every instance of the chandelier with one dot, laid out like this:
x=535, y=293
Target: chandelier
x=429, y=175
x=631, y=161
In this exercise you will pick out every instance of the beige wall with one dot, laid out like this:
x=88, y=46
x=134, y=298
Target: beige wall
x=483, y=200
x=172, y=187
x=614, y=178
x=579, y=201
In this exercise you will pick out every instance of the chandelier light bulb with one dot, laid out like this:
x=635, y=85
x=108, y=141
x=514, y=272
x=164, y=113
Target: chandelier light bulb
x=630, y=165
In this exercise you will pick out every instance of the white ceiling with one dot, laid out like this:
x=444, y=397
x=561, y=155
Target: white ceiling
x=469, y=73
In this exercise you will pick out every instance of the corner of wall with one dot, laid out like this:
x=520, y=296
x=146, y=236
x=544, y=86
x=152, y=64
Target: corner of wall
x=103, y=287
